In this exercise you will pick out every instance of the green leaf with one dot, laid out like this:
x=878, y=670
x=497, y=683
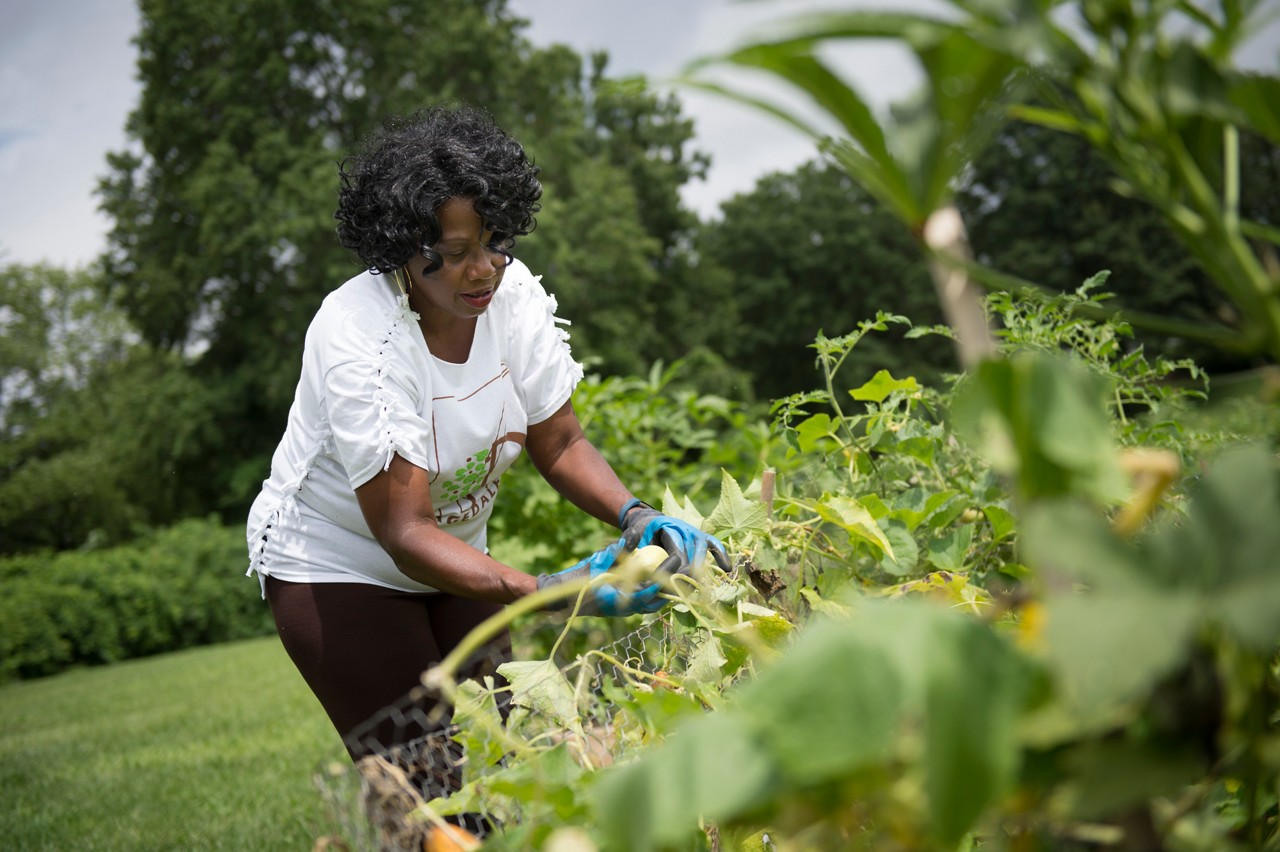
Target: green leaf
x=973, y=696
x=684, y=511
x=794, y=62
x=711, y=768
x=945, y=512
x=1108, y=778
x=813, y=432
x=1002, y=521
x=823, y=606
x=773, y=629
x=1230, y=531
x=881, y=385
x=1107, y=650
x=661, y=709
x=1072, y=540
x=1250, y=611
x=1066, y=413
x=549, y=781
x=948, y=552
x=904, y=553
x=1051, y=118
x=828, y=707
x=703, y=666
x=735, y=513
x=873, y=504
x=918, y=505
x=1042, y=419
x=1256, y=96
x=477, y=716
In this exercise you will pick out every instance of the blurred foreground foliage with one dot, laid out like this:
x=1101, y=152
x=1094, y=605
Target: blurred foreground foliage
x=1028, y=608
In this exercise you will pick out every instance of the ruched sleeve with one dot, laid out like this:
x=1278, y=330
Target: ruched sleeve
x=541, y=360
x=373, y=393
x=373, y=416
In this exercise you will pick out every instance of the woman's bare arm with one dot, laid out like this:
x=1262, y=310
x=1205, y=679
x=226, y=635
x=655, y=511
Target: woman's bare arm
x=574, y=467
x=396, y=504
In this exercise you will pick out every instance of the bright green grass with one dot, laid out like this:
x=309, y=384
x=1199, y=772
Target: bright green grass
x=212, y=748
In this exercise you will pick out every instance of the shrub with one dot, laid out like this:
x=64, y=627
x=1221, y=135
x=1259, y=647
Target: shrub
x=175, y=588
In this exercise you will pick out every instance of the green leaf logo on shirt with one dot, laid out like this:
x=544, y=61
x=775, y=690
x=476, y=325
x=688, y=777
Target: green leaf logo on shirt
x=466, y=479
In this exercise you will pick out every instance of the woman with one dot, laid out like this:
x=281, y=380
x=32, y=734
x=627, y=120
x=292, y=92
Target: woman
x=422, y=380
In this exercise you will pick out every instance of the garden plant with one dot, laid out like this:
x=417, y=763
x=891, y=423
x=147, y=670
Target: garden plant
x=1031, y=607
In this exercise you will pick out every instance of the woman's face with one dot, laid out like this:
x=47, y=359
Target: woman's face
x=472, y=269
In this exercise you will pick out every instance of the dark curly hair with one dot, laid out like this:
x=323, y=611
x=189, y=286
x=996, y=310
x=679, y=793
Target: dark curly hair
x=393, y=189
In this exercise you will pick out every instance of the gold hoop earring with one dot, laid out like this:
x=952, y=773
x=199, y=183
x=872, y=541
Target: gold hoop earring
x=404, y=280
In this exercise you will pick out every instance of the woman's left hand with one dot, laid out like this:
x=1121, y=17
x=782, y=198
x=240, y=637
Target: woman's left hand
x=687, y=545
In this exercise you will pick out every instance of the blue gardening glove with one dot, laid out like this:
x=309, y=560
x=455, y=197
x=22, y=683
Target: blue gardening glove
x=687, y=545
x=603, y=598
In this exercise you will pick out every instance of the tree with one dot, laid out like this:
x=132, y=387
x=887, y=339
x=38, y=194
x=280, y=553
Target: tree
x=223, y=236
x=96, y=428
x=613, y=234
x=809, y=251
x=1042, y=205
x=56, y=332
x=1153, y=88
x=599, y=264
x=223, y=241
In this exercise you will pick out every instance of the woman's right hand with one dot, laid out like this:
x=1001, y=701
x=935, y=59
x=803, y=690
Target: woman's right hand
x=603, y=598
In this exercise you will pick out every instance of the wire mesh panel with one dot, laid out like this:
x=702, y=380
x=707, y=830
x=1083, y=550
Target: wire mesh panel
x=450, y=755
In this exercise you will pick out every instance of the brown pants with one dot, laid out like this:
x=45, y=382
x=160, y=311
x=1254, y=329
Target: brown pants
x=362, y=648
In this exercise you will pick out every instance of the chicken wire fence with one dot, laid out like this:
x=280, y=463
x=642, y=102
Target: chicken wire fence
x=422, y=762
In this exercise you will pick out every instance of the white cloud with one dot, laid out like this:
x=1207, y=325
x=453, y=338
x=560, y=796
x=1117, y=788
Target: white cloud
x=66, y=86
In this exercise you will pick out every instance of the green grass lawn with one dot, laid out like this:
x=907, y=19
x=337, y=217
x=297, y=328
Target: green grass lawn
x=213, y=748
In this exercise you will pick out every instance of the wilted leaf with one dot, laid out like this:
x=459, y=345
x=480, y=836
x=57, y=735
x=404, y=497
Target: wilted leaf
x=851, y=516
x=540, y=686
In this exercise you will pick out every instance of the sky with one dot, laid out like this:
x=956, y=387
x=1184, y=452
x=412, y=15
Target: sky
x=67, y=70
x=67, y=86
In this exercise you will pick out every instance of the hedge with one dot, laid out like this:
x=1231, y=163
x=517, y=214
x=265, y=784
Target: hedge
x=175, y=588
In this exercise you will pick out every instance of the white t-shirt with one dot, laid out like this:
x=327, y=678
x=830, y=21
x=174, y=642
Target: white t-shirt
x=370, y=389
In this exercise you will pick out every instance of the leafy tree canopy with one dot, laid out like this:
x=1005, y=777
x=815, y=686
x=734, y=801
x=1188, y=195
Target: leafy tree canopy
x=56, y=332
x=223, y=241
x=810, y=251
x=1044, y=206
x=99, y=430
